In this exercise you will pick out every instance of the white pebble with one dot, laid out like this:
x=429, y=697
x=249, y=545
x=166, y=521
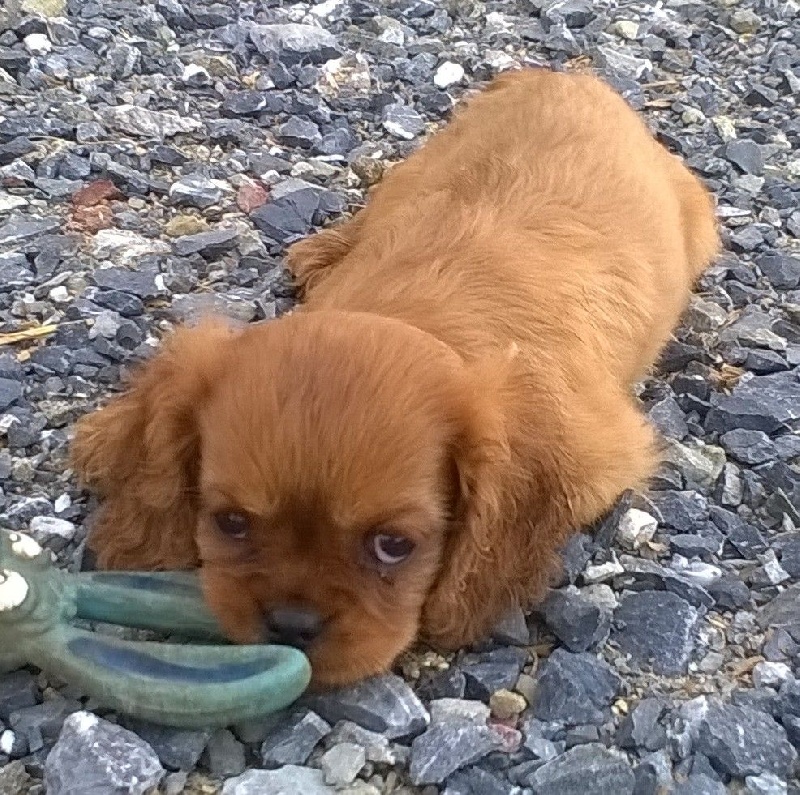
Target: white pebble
x=448, y=74
x=44, y=527
x=62, y=503
x=59, y=294
x=342, y=763
x=636, y=528
x=6, y=742
x=771, y=674
x=37, y=44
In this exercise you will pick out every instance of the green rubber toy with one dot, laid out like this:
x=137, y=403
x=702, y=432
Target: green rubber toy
x=190, y=685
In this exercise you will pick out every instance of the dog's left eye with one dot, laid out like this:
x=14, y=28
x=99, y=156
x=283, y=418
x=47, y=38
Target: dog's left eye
x=232, y=524
x=390, y=550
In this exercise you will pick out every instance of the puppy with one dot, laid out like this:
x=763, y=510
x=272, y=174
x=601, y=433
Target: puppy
x=403, y=456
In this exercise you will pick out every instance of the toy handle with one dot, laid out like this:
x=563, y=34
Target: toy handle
x=168, y=602
x=174, y=684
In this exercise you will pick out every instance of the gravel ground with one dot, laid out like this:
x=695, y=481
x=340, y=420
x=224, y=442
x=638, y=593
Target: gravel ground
x=155, y=159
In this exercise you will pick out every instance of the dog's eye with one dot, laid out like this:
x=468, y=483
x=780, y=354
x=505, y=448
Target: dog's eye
x=390, y=550
x=232, y=524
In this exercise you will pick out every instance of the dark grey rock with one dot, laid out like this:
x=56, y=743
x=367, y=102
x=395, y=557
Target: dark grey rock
x=447, y=747
x=656, y=628
x=141, y=283
x=577, y=621
x=17, y=691
x=289, y=217
x=742, y=742
x=402, y=121
x=682, y=511
x=293, y=740
x=224, y=755
x=783, y=611
x=575, y=689
x=667, y=416
x=195, y=191
x=209, y=244
x=244, y=103
x=16, y=230
x=746, y=156
x=491, y=671
x=730, y=593
x=94, y=756
x=790, y=558
x=748, y=447
x=384, y=704
x=745, y=538
x=449, y=683
x=699, y=784
x=10, y=392
x=178, y=749
x=572, y=772
x=783, y=272
x=300, y=133
x=475, y=781
x=764, y=403
x=512, y=629
x=641, y=727
x=293, y=44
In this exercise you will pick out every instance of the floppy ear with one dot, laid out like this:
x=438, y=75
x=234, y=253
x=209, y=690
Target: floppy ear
x=526, y=481
x=481, y=459
x=140, y=454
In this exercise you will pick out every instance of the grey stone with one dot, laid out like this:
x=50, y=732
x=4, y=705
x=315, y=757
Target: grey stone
x=10, y=392
x=289, y=780
x=293, y=740
x=15, y=230
x=575, y=689
x=667, y=416
x=748, y=447
x=585, y=768
x=301, y=133
x=245, y=103
x=376, y=747
x=195, y=191
x=288, y=217
x=95, y=757
x=142, y=283
x=763, y=403
x=224, y=755
x=730, y=593
x=384, y=704
x=293, y=43
x=512, y=629
x=402, y=121
x=143, y=123
x=178, y=749
x=341, y=763
x=641, y=727
x=447, y=747
x=17, y=691
x=782, y=271
x=783, y=611
x=209, y=244
x=700, y=784
x=577, y=621
x=744, y=742
x=487, y=672
x=745, y=155
x=656, y=628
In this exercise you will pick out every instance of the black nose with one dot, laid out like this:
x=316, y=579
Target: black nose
x=293, y=626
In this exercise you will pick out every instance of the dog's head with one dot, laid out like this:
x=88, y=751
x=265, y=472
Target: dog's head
x=321, y=469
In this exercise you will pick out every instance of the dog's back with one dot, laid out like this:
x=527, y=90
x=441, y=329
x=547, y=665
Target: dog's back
x=546, y=214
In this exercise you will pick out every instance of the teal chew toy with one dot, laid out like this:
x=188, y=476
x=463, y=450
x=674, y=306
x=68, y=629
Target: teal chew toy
x=190, y=685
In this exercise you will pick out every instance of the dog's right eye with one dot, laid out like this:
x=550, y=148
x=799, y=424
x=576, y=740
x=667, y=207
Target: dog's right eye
x=232, y=524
